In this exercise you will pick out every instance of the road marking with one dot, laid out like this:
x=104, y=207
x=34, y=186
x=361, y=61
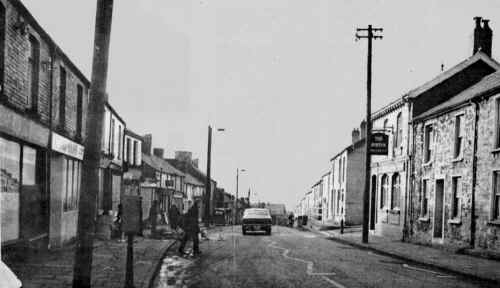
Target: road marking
x=310, y=266
x=427, y=270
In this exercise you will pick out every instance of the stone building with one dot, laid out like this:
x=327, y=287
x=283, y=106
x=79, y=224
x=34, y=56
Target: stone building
x=43, y=104
x=456, y=167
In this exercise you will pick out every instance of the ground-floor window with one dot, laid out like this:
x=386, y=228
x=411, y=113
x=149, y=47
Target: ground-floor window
x=455, y=197
x=496, y=196
x=10, y=153
x=71, y=183
x=424, y=198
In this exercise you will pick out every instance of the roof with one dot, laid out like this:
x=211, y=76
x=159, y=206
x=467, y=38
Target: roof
x=114, y=112
x=452, y=71
x=350, y=148
x=187, y=168
x=133, y=134
x=191, y=180
x=488, y=84
x=160, y=164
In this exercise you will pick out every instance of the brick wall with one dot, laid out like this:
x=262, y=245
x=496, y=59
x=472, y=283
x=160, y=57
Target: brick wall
x=444, y=165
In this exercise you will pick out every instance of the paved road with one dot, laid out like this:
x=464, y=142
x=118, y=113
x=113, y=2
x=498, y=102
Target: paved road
x=292, y=258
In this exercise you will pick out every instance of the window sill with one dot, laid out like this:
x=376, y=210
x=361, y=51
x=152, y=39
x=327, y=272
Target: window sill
x=455, y=221
x=395, y=211
x=427, y=164
x=458, y=159
x=496, y=150
x=494, y=222
x=424, y=219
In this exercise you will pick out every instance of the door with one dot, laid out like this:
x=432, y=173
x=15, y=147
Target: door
x=373, y=202
x=438, y=209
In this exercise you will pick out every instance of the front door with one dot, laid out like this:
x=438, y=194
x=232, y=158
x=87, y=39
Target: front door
x=438, y=209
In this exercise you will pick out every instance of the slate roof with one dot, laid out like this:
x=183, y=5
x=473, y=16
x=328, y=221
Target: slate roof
x=488, y=84
x=160, y=164
x=193, y=181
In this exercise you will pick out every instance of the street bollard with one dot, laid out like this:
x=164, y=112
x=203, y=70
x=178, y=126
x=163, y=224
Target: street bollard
x=342, y=226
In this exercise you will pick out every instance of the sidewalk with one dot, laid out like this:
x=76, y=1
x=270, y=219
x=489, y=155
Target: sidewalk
x=54, y=268
x=465, y=265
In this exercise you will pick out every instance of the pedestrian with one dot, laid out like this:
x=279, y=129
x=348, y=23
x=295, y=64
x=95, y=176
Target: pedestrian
x=191, y=229
x=174, y=216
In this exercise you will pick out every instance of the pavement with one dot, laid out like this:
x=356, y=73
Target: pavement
x=472, y=267
x=294, y=258
x=54, y=268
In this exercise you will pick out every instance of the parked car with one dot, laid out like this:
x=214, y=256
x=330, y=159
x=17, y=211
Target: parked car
x=256, y=219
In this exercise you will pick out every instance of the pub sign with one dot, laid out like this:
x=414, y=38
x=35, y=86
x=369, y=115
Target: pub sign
x=379, y=144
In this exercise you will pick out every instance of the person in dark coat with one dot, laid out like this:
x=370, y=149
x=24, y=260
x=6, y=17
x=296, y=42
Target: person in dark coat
x=191, y=229
x=174, y=217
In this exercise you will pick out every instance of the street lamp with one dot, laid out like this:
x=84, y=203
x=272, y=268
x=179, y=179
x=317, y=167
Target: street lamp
x=208, y=180
x=237, y=185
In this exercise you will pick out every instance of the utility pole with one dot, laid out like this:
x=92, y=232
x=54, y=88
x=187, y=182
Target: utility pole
x=98, y=98
x=366, y=196
x=208, y=182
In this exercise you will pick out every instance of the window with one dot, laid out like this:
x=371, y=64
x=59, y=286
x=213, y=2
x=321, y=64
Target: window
x=459, y=133
x=112, y=136
x=62, y=96
x=33, y=72
x=455, y=197
x=395, y=191
x=385, y=191
x=71, y=185
x=428, y=142
x=398, y=137
x=128, y=151
x=119, y=141
x=338, y=202
x=2, y=46
x=10, y=154
x=135, y=154
x=79, y=109
x=497, y=124
x=344, y=170
x=496, y=196
x=424, y=197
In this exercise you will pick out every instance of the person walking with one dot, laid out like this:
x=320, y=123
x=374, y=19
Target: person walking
x=174, y=216
x=191, y=229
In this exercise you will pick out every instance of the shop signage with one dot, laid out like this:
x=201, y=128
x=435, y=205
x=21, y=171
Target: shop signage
x=67, y=147
x=379, y=144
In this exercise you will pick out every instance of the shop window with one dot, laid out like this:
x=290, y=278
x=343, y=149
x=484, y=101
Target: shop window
x=71, y=185
x=455, y=197
x=10, y=153
x=395, y=191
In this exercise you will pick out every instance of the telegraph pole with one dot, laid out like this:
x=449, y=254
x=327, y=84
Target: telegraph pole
x=366, y=196
x=208, y=181
x=88, y=198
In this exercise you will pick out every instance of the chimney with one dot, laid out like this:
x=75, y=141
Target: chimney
x=483, y=36
x=196, y=162
x=487, y=38
x=184, y=156
x=478, y=31
x=355, y=135
x=159, y=152
x=362, y=128
x=147, y=142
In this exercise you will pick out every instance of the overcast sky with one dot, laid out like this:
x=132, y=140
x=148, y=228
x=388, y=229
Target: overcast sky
x=284, y=78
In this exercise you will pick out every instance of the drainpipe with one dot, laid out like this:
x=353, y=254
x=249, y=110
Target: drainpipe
x=474, y=178
x=48, y=165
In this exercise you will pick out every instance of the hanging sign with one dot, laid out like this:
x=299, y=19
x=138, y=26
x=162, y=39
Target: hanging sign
x=379, y=144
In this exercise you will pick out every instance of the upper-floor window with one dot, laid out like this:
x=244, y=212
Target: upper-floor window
x=112, y=136
x=428, y=143
x=2, y=46
x=459, y=135
x=398, y=137
x=497, y=122
x=119, y=141
x=62, y=96
x=135, y=153
x=33, y=72
x=79, y=109
x=128, y=149
x=344, y=170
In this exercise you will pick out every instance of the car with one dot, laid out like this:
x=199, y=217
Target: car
x=256, y=219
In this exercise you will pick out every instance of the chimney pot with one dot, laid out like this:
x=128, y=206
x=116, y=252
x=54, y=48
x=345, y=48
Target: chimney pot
x=159, y=152
x=355, y=135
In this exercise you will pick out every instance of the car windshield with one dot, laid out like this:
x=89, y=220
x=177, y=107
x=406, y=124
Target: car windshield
x=256, y=212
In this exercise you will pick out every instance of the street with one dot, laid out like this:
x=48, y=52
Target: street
x=293, y=258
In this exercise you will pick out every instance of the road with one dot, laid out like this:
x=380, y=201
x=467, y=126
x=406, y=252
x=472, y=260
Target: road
x=292, y=258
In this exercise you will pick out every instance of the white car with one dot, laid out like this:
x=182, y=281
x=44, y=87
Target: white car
x=256, y=219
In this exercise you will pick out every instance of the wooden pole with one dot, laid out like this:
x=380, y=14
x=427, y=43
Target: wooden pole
x=208, y=181
x=91, y=162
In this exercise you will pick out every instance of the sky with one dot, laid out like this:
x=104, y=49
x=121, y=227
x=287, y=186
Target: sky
x=285, y=78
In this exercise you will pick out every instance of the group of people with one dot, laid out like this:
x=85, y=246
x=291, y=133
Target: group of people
x=187, y=224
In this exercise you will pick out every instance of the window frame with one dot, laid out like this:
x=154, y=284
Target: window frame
x=428, y=142
x=79, y=110
x=62, y=96
x=395, y=187
x=34, y=73
x=456, y=200
x=384, y=191
x=497, y=122
x=495, y=197
x=424, y=200
x=458, y=144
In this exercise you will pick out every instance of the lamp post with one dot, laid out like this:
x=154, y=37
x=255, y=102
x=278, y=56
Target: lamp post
x=209, y=180
x=237, y=185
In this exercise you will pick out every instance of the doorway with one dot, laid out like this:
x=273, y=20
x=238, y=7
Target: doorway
x=438, y=209
x=373, y=202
